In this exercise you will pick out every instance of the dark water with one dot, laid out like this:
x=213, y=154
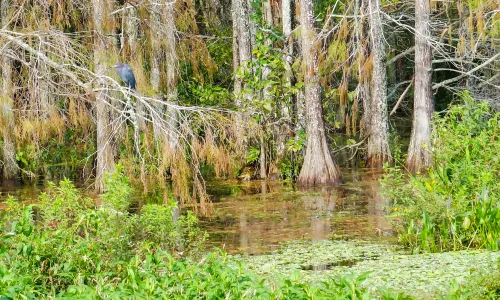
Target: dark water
x=256, y=216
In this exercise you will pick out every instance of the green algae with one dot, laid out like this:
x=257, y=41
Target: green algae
x=423, y=276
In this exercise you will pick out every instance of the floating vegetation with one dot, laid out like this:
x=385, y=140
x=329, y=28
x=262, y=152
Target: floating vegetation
x=422, y=275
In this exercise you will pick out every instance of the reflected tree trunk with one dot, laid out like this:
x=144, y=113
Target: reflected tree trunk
x=318, y=166
x=378, y=135
x=105, y=159
x=419, y=151
x=9, y=166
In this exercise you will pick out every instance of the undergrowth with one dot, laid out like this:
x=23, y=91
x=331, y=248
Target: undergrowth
x=455, y=205
x=66, y=247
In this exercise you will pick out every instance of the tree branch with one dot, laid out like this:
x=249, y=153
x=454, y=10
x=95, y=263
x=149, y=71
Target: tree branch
x=401, y=97
x=455, y=79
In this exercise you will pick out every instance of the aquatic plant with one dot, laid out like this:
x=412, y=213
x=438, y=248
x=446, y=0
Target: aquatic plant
x=456, y=204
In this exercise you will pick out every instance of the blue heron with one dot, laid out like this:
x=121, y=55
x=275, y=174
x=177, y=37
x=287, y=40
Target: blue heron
x=126, y=74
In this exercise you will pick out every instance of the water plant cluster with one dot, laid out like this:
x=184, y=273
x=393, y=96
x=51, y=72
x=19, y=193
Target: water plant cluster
x=386, y=268
x=456, y=203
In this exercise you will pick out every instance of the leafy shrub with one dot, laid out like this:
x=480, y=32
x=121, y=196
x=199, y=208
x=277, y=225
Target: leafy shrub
x=157, y=227
x=456, y=204
x=65, y=240
x=118, y=191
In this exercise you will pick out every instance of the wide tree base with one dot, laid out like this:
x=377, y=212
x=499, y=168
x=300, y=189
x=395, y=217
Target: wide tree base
x=315, y=181
x=319, y=171
x=417, y=164
x=378, y=161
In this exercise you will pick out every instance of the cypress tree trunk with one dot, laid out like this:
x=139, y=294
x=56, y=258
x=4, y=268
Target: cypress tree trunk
x=318, y=166
x=156, y=8
x=132, y=32
x=378, y=136
x=132, y=29
x=244, y=41
x=286, y=11
x=419, y=151
x=236, y=49
x=171, y=62
x=300, y=105
x=242, y=36
x=10, y=169
x=268, y=17
x=105, y=159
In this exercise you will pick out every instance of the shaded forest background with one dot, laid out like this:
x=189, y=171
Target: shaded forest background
x=247, y=89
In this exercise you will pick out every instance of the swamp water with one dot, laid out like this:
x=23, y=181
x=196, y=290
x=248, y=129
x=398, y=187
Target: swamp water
x=254, y=217
x=277, y=229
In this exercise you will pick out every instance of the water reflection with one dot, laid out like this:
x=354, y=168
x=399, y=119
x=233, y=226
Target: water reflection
x=254, y=217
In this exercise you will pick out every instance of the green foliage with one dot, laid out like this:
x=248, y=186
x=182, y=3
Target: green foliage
x=157, y=227
x=118, y=190
x=194, y=93
x=65, y=245
x=456, y=204
x=67, y=248
x=253, y=155
x=290, y=165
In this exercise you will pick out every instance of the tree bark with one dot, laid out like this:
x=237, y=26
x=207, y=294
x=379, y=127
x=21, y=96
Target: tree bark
x=378, y=138
x=236, y=49
x=318, y=166
x=419, y=151
x=132, y=29
x=132, y=32
x=156, y=8
x=266, y=94
x=241, y=23
x=262, y=158
x=10, y=168
x=288, y=60
x=105, y=159
x=171, y=62
x=299, y=105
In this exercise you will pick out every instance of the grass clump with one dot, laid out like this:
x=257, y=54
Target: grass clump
x=455, y=205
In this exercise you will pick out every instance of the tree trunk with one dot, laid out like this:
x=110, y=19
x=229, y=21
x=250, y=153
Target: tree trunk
x=105, y=159
x=10, y=169
x=378, y=137
x=156, y=38
x=241, y=24
x=171, y=62
x=419, y=151
x=262, y=159
x=318, y=166
x=236, y=49
x=299, y=105
x=266, y=94
x=132, y=31
x=287, y=57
